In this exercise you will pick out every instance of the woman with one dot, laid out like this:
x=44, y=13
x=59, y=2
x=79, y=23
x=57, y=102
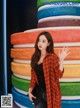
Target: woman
x=46, y=69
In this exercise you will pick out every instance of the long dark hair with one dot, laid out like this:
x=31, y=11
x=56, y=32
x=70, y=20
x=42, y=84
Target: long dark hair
x=50, y=49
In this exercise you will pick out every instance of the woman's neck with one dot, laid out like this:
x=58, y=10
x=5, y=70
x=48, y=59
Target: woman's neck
x=43, y=52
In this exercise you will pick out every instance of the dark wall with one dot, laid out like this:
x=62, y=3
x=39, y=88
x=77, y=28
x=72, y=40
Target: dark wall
x=21, y=15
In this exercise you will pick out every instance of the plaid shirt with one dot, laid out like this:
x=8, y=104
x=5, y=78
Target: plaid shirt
x=51, y=75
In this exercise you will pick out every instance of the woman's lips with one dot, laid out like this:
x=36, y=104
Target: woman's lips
x=40, y=46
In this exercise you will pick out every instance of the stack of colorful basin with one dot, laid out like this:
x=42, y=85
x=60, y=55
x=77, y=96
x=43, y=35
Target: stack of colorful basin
x=65, y=33
x=58, y=14
x=22, y=51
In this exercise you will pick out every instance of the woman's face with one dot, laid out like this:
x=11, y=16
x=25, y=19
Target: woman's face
x=43, y=42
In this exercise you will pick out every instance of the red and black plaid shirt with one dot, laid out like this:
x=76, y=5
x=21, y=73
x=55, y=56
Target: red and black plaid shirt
x=52, y=74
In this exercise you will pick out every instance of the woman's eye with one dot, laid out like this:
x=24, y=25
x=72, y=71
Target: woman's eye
x=44, y=41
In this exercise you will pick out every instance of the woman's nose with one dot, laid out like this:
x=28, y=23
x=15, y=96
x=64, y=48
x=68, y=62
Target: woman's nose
x=40, y=43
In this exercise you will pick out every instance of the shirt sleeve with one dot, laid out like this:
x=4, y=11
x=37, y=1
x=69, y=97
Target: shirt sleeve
x=58, y=72
x=33, y=79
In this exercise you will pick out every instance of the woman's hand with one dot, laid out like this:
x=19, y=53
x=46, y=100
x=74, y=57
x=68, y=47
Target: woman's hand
x=31, y=96
x=63, y=54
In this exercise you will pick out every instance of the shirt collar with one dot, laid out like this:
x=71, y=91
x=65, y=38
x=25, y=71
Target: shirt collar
x=47, y=54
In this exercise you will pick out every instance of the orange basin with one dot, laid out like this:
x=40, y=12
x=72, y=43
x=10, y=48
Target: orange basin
x=26, y=53
x=62, y=34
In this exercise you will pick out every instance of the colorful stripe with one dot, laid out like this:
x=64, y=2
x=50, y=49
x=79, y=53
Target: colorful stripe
x=42, y=2
x=21, y=99
x=67, y=88
x=62, y=3
x=59, y=21
x=48, y=11
x=21, y=84
x=26, y=53
x=21, y=68
x=61, y=79
x=59, y=34
x=71, y=70
x=70, y=88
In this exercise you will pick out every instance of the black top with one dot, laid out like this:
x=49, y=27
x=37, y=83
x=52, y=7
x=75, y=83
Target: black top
x=40, y=75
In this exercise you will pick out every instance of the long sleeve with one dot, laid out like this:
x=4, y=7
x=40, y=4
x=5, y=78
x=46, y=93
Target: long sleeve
x=33, y=79
x=58, y=72
x=55, y=66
